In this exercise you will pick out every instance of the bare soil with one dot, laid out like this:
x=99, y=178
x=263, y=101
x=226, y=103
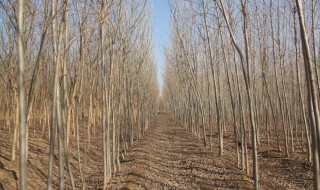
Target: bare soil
x=166, y=157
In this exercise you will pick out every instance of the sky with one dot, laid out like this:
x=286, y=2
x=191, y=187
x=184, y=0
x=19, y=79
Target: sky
x=161, y=23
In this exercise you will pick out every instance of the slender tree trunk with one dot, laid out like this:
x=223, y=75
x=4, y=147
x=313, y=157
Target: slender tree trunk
x=248, y=88
x=313, y=108
x=21, y=93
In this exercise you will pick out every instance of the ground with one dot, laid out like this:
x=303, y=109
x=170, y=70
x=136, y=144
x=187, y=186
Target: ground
x=166, y=157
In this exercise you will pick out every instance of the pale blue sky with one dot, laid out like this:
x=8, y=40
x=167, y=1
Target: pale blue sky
x=161, y=22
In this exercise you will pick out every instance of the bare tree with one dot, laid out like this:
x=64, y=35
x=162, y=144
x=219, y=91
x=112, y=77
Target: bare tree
x=312, y=95
x=22, y=117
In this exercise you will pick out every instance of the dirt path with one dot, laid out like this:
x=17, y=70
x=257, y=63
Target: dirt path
x=168, y=157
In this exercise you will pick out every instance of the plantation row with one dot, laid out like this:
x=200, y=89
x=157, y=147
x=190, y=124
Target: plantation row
x=250, y=67
x=86, y=69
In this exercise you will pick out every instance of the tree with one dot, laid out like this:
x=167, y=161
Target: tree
x=312, y=96
x=22, y=117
